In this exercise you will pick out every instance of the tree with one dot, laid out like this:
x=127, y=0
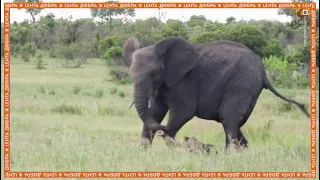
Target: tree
x=174, y=28
x=147, y=31
x=32, y=11
x=250, y=36
x=230, y=19
x=196, y=21
x=273, y=48
x=219, y=33
x=108, y=14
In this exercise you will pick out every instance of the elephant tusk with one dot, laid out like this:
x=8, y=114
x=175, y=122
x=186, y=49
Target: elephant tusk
x=150, y=102
x=130, y=105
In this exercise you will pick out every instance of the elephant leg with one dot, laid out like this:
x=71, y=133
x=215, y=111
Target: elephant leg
x=179, y=116
x=243, y=141
x=158, y=110
x=234, y=112
x=231, y=133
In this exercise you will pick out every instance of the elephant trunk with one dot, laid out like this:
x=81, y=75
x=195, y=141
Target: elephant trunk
x=142, y=94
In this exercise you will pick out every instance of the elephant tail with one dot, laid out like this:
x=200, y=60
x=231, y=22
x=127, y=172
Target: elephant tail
x=267, y=85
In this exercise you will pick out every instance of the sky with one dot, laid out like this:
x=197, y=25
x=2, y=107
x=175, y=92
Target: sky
x=183, y=14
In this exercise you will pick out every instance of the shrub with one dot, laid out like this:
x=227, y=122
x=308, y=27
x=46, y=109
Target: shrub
x=109, y=42
x=42, y=90
x=27, y=51
x=52, y=92
x=25, y=57
x=15, y=49
x=273, y=48
x=39, y=61
x=113, y=90
x=279, y=70
x=284, y=106
x=122, y=94
x=99, y=93
x=65, y=54
x=112, y=56
x=83, y=51
x=73, y=55
x=110, y=111
x=67, y=109
x=119, y=75
x=76, y=90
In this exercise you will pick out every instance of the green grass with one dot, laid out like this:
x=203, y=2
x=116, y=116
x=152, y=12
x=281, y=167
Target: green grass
x=73, y=120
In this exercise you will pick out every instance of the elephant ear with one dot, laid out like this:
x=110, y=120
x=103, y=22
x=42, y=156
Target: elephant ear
x=131, y=45
x=179, y=57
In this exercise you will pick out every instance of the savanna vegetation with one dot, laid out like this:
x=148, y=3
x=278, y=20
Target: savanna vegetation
x=70, y=93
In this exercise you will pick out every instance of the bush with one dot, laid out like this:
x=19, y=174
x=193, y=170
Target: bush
x=83, y=51
x=279, y=70
x=64, y=53
x=99, y=93
x=121, y=94
x=220, y=33
x=283, y=106
x=119, y=75
x=297, y=54
x=109, y=42
x=113, y=90
x=15, y=49
x=25, y=57
x=250, y=36
x=283, y=73
x=67, y=109
x=39, y=61
x=273, y=48
x=27, y=51
x=76, y=90
x=113, y=56
x=71, y=56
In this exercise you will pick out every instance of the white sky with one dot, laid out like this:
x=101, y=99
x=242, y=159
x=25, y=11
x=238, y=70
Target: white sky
x=182, y=14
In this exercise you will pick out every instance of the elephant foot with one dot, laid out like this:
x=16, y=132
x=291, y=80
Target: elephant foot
x=145, y=144
x=236, y=146
x=170, y=142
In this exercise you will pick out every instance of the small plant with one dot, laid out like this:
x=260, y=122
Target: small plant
x=113, y=90
x=42, y=90
x=110, y=111
x=284, y=106
x=99, y=94
x=119, y=75
x=122, y=94
x=111, y=54
x=25, y=57
x=76, y=90
x=27, y=51
x=52, y=92
x=71, y=56
x=39, y=61
x=67, y=109
x=268, y=125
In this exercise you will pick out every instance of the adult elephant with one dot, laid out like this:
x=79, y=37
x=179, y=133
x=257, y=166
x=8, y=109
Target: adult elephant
x=218, y=81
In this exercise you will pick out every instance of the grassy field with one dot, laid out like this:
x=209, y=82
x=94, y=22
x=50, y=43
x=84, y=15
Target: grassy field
x=76, y=120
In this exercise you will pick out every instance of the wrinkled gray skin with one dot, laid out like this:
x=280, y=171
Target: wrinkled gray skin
x=219, y=81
